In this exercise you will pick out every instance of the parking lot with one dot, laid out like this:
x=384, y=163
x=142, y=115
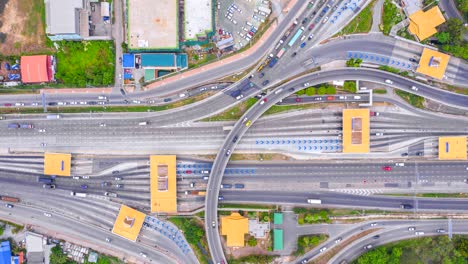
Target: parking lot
x=241, y=19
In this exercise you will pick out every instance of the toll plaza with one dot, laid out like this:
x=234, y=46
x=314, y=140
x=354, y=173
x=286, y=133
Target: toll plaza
x=452, y=148
x=356, y=129
x=58, y=164
x=163, y=184
x=128, y=223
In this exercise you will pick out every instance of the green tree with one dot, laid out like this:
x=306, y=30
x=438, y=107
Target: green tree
x=461, y=244
x=301, y=92
x=300, y=220
x=324, y=215
x=454, y=27
x=252, y=242
x=350, y=86
x=310, y=91
x=353, y=62
x=331, y=89
x=57, y=256
x=300, y=210
x=321, y=90
x=443, y=37
x=308, y=218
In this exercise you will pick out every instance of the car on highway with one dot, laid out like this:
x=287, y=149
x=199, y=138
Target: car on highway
x=389, y=81
x=330, y=98
x=167, y=100
x=298, y=100
x=240, y=96
x=373, y=224
x=379, y=134
x=376, y=237
x=47, y=214
x=118, y=178
x=205, y=171
x=406, y=206
x=234, y=140
x=413, y=60
x=304, y=261
x=110, y=194
x=76, y=177
x=84, y=186
x=311, y=26
x=411, y=228
x=262, y=101
x=248, y=123
x=188, y=172
x=323, y=249
x=83, y=103
x=73, y=103
x=303, y=44
x=386, y=168
x=213, y=224
x=440, y=230
x=43, y=144
x=228, y=152
x=42, y=130
x=143, y=255
x=400, y=164
x=414, y=88
x=102, y=103
x=419, y=153
x=418, y=233
x=338, y=240
x=220, y=198
x=115, y=172
x=85, y=177
x=404, y=154
x=306, y=84
x=265, y=82
x=119, y=185
x=104, y=184
x=48, y=186
x=102, y=124
x=343, y=97
x=368, y=246
x=261, y=75
x=136, y=101
x=9, y=206
x=318, y=99
x=108, y=240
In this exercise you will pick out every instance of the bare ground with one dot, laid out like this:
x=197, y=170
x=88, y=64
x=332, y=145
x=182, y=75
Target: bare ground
x=22, y=29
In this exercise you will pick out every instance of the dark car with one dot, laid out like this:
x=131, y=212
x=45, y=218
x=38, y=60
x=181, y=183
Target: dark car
x=376, y=237
x=413, y=60
x=92, y=103
x=419, y=153
x=120, y=60
x=84, y=186
x=122, y=91
x=167, y=100
x=115, y=172
x=103, y=184
x=406, y=206
x=294, y=54
x=291, y=89
x=234, y=140
x=404, y=154
x=220, y=197
x=261, y=75
x=305, y=20
x=52, y=103
x=265, y=82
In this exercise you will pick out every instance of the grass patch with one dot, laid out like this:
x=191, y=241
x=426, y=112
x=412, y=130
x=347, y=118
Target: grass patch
x=312, y=215
x=390, y=17
x=414, y=100
x=362, y=23
x=433, y=195
x=307, y=243
x=405, y=34
x=257, y=259
x=436, y=249
x=194, y=232
x=379, y=91
x=246, y=206
x=16, y=228
x=86, y=63
x=233, y=113
x=283, y=108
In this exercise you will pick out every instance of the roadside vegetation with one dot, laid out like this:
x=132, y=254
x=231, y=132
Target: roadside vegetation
x=380, y=91
x=390, y=17
x=58, y=257
x=85, y=63
x=233, y=113
x=462, y=5
x=362, y=23
x=437, y=249
x=194, y=232
x=393, y=70
x=412, y=99
x=433, y=195
x=353, y=62
x=253, y=259
x=312, y=215
x=307, y=243
x=450, y=38
x=350, y=86
x=247, y=206
x=16, y=227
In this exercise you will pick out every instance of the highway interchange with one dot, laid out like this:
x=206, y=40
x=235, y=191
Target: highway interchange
x=173, y=131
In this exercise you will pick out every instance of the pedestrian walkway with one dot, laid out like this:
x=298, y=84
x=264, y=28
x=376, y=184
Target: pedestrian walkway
x=398, y=27
x=377, y=15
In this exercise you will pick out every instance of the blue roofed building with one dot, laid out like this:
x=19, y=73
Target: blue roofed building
x=128, y=61
x=164, y=61
x=5, y=253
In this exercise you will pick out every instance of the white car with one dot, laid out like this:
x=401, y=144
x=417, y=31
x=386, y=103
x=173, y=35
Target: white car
x=102, y=125
x=35, y=104
x=83, y=103
x=19, y=104
x=379, y=134
x=41, y=130
x=419, y=233
x=323, y=249
x=414, y=88
x=389, y=81
x=85, y=177
x=136, y=101
x=399, y=164
x=338, y=240
x=76, y=177
x=73, y=103
x=240, y=97
x=306, y=84
x=411, y=228
x=343, y=97
x=143, y=254
x=373, y=224
x=47, y=214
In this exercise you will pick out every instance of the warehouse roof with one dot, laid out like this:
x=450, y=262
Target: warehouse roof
x=62, y=16
x=356, y=130
x=278, y=218
x=452, y=148
x=433, y=63
x=128, y=223
x=163, y=184
x=423, y=24
x=35, y=69
x=164, y=60
x=234, y=227
x=58, y=164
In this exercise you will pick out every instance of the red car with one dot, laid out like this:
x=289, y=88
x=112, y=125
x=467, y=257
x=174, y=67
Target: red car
x=298, y=100
x=311, y=26
x=329, y=98
x=386, y=168
x=188, y=172
x=265, y=99
x=7, y=104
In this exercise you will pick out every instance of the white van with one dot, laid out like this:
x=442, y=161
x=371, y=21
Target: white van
x=101, y=97
x=357, y=97
x=143, y=123
x=389, y=81
x=279, y=91
x=182, y=95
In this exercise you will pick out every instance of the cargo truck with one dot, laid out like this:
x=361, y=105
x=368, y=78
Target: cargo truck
x=239, y=186
x=78, y=194
x=26, y=126
x=226, y=186
x=314, y=201
x=9, y=199
x=273, y=62
x=54, y=116
x=281, y=52
x=13, y=125
x=200, y=193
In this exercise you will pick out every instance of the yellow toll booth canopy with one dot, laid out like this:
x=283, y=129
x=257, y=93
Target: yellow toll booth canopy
x=58, y=164
x=234, y=227
x=128, y=223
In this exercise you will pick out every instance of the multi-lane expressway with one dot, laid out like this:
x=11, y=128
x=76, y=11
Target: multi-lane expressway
x=279, y=93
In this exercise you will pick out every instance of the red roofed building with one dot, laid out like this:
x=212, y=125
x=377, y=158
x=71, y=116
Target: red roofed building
x=36, y=69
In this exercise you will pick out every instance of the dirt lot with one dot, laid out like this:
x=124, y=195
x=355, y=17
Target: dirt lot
x=22, y=27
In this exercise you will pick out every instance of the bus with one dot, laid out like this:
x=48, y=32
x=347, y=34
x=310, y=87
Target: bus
x=281, y=52
x=296, y=36
x=314, y=201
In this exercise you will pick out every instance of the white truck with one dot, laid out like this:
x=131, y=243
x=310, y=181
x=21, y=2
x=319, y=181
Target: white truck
x=78, y=194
